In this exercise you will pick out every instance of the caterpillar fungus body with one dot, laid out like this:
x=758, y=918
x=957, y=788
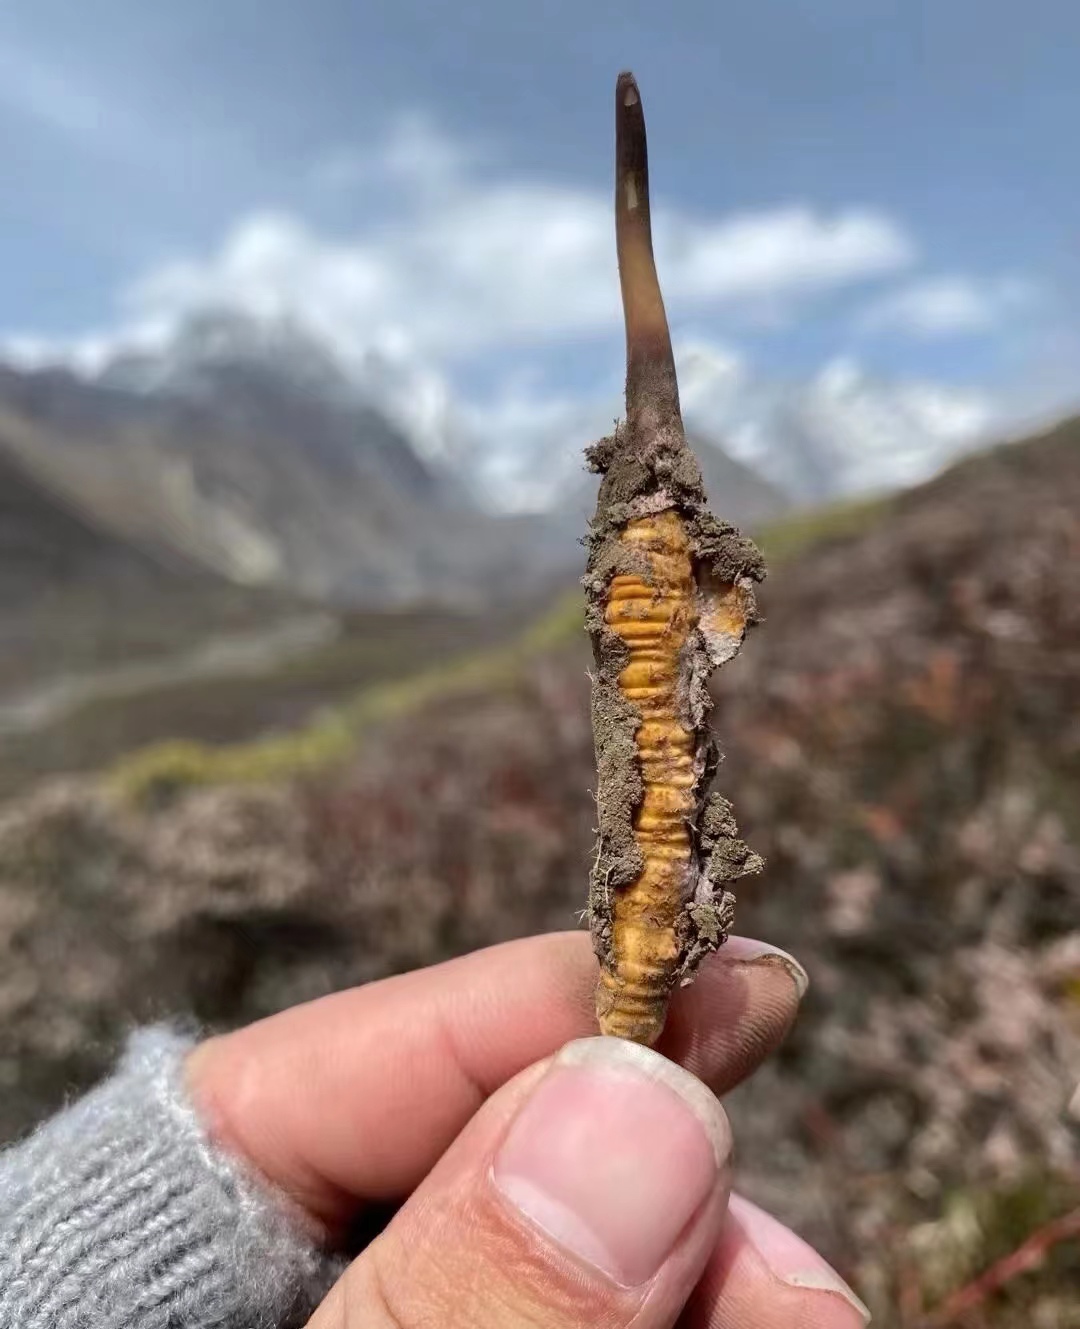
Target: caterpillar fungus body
x=669, y=597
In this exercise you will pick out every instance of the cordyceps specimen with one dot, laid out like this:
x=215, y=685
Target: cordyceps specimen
x=669, y=593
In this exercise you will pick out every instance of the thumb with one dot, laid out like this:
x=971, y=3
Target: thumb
x=590, y=1190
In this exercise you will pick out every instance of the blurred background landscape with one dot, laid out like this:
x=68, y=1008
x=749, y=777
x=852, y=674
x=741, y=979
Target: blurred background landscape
x=308, y=317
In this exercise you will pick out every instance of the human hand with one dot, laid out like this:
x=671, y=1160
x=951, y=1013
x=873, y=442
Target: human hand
x=588, y=1188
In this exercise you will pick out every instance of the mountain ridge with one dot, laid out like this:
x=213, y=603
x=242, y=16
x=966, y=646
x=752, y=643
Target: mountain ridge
x=251, y=451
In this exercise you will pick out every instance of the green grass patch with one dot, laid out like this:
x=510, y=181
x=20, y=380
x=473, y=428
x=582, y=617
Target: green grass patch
x=783, y=539
x=154, y=774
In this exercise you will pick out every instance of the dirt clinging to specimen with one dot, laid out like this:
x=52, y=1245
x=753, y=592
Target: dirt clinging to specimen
x=645, y=481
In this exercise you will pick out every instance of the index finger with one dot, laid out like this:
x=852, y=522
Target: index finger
x=355, y=1096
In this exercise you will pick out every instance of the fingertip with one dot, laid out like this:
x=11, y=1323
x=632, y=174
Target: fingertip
x=793, y=1261
x=738, y=1010
x=762, y=1273
x=748, y=950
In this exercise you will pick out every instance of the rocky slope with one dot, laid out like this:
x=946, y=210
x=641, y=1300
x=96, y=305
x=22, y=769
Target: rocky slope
x=75, y=595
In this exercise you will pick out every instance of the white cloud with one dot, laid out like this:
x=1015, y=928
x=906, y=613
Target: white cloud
x=472, y=264
x=712, y=378
x=85, y=354
x=947, y=306
x=787, y=251
x=549, y=433
x=875, y=433
x=471, y=261
x=508, y=263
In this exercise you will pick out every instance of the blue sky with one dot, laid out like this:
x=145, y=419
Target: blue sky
x=891, y=184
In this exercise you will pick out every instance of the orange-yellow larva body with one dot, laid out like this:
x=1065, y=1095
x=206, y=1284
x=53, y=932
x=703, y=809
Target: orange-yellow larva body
x=654, y=616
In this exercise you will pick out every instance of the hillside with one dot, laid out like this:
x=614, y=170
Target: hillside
x=44, y=543
x=902, y=747
x=74, y=595
x=106, y=647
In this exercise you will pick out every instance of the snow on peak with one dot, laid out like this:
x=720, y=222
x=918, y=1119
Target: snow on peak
x=841, y=432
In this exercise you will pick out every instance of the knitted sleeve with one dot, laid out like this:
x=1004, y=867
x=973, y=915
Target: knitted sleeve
x=120, y=1214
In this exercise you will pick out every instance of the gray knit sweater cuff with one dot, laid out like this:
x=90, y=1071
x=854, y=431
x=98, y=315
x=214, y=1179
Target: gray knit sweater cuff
x=120, y=1214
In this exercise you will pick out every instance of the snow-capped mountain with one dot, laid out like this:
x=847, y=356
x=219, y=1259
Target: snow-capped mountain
x=263, y=453
x=191, y=361
x=223, y=344
x=842, y=432
x=255, y=453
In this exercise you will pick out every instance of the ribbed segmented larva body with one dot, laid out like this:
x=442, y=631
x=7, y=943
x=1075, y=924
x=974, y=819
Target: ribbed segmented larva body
x=654, y=616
